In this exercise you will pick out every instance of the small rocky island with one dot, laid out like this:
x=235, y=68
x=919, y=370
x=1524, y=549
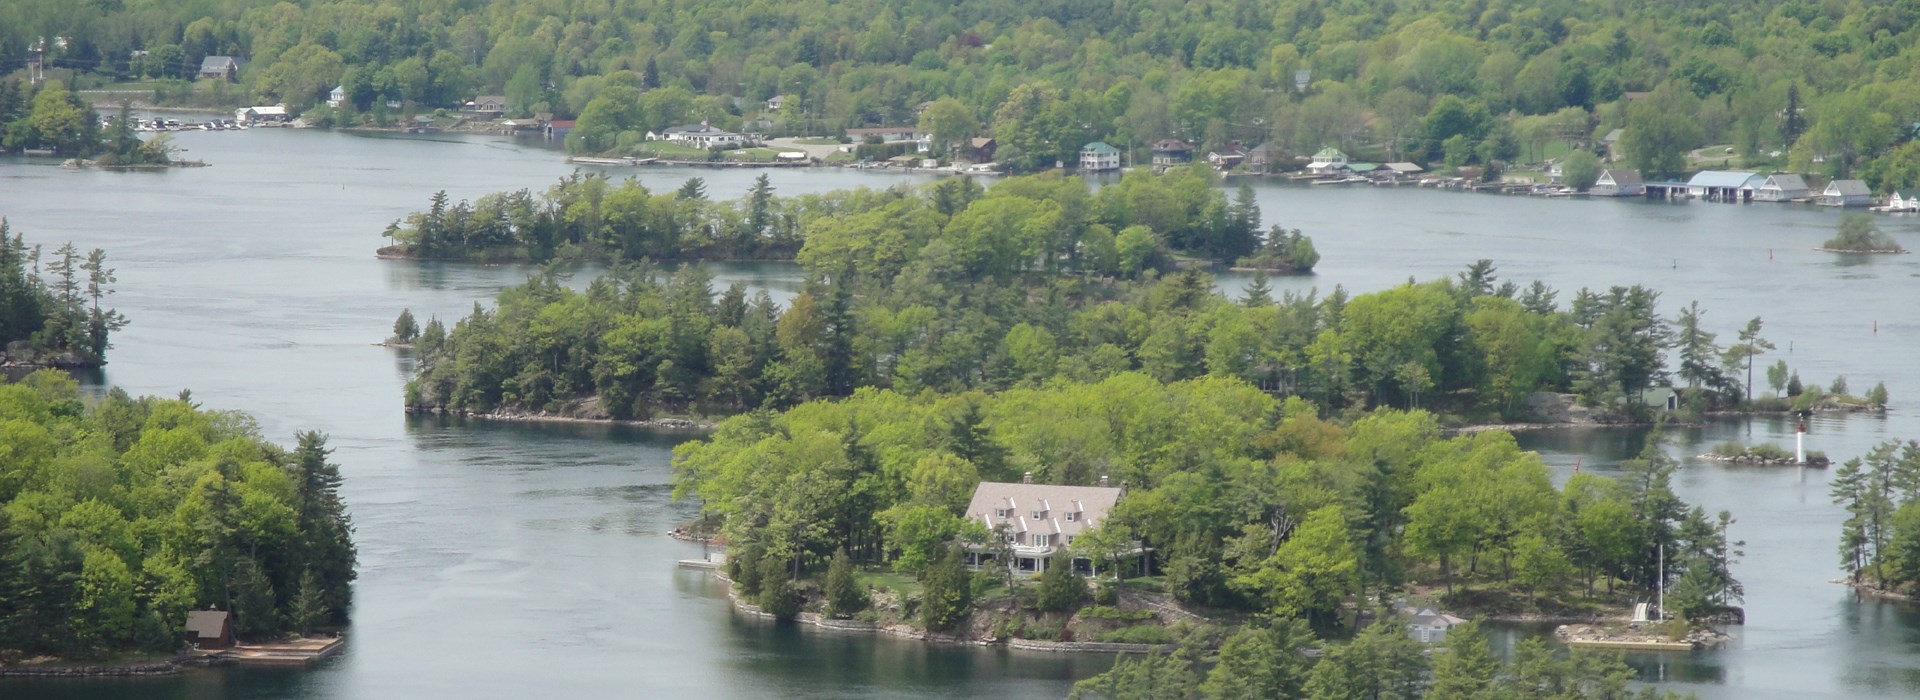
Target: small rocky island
x=1858, y=234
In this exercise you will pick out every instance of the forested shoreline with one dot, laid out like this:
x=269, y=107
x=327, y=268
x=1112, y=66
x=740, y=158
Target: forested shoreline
x=119, y=515
x=1814, y=88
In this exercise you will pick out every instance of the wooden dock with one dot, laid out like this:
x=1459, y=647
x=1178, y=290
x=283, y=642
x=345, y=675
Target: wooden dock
x=1643, y=645
x=301, y=651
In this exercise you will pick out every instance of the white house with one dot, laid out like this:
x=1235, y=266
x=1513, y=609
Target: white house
x=1098, y=157
x=337, y=97
x=776, y=102
x=1328, y=161
x=1038, y=520
x=487, y=104
x=1618, y=182
x=1781, y=187
x=1429, y=627
x=702, y=135
x=1846, y=193
x=1904, y=200
x=887, y=134
x=1723, y=185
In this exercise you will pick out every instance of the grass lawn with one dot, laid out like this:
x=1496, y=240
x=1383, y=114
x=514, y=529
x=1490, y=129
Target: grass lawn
x=664, y=149
x=817, y=142
x=841, y=157
x=904, y=584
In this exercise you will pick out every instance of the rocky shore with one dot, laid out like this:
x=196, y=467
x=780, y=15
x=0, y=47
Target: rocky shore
x=1764, y=460
x=1647, y=637
x=55, y=670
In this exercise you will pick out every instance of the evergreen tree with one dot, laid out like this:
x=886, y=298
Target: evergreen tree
x=405, y=329
x=844, y=596
x=1061, y=590
x=946, y=593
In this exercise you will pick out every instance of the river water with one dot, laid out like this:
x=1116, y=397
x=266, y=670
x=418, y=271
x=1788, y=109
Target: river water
x=516, y=560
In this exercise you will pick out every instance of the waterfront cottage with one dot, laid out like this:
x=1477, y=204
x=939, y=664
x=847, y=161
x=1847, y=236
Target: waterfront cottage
x=1170, y=152
x=220, y=67
x=1328, y=161
x=264, y=114
x=1618, y=182
x=210, y=629
x=1429, y=627
x=1846, y=193
x=776, y=102
x=1722, y=185
x=1039, y=521
x=1099, y=157
x=1265, y=156
x=491, y=105
x=980, y=149
x=1782, y=187
x=1904, y=200
x=337, y=97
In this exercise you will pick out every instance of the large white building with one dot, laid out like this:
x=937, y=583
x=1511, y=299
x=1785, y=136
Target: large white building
x=702, y=135
x=1039, y=520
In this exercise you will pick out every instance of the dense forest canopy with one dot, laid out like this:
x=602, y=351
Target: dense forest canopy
x=51, y=310
x=118, y=515
x=1828, y=86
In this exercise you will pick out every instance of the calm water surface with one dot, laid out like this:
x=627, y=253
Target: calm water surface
x=507, y=560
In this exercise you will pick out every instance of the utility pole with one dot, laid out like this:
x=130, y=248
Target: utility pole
x=36, y=58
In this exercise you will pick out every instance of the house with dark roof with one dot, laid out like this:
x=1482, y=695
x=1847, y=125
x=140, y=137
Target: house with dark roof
x=1904, y=200
x=222, y=67
x=1167, y=152
x=1618, y=182
x=1038, y=521
x=210, y=629
x=1846, y=193
x=980, y=149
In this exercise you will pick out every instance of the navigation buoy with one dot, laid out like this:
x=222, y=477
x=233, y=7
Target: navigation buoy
x=1800, y=444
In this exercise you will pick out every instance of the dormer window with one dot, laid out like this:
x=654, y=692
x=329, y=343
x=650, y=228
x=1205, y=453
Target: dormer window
x=1000, y=512
x=1038, y=514
x=1072, y=516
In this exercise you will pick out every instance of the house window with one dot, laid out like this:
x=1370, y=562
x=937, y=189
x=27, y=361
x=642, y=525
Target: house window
x=1038, y=514
x=1072, y=517
x=1041, y=540
x=999, y=512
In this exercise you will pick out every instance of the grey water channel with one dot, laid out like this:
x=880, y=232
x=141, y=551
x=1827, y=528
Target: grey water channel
x=518, y=560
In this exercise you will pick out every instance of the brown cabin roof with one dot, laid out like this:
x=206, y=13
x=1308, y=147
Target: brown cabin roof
x=207, y=623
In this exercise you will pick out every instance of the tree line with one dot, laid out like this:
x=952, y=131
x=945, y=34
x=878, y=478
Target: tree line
x=51, y=310
x=1815, y=87
x=1248, y=504
x=48, y=116
x=119, y=515
x=1026, y=224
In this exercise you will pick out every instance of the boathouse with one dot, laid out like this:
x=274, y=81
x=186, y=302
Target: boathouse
x=1846, y=193
x=1099, y=157
x=1779, y=187
x=1723, y=185
x=210, y=629
x=264, y=114
x=980, y=149
x=1904, y=200
x=1396, y=172
x=1039, y=521
x=1168, y=152
x=1618, y=182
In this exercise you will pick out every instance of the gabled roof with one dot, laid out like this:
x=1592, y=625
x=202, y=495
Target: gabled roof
x=1907, y=194
x=1330, y=153
x=1090, y=504
x=1403, y=167
x=695, y=129
x=1721, y=178
x=1428, y=618
x=206, y=623
x=490, y=99
x=1099, y=147
x=981, y=142
x=1624, y=177
x=1613, y=136
x=1267, y=149
x=1785, y=181
x=1848, y=188
x=269, y=111
x=1171, y=146
x=218, y=63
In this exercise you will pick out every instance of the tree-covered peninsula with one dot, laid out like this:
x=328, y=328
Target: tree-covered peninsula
x=1030, y=224
x=119, y=515
x=51, y=309
x=46, y=116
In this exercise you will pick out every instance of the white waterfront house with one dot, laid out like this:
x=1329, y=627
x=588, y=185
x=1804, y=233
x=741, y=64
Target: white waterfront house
x=1618, y=182
x=1846, y=193
x=1327, y=162
x=1723, y=185
x=1782, y=187
x=702, y=135
x=1429, y=627
x=1099, y=157
x=1039, y=521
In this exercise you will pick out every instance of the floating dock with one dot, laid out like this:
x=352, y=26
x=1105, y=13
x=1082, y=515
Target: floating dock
x=301, y=651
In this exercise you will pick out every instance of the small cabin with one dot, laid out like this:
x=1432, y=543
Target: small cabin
x=210, y=629
x=1429, y=627
x=220, y=68
x=1846, y=193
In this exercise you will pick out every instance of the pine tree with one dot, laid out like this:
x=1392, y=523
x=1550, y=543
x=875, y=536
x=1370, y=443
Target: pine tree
x=405, y=329
x=946, y=593
x=844, y=596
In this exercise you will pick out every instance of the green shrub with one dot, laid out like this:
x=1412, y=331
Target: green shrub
x=1105, y=612
x=1137, y=634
